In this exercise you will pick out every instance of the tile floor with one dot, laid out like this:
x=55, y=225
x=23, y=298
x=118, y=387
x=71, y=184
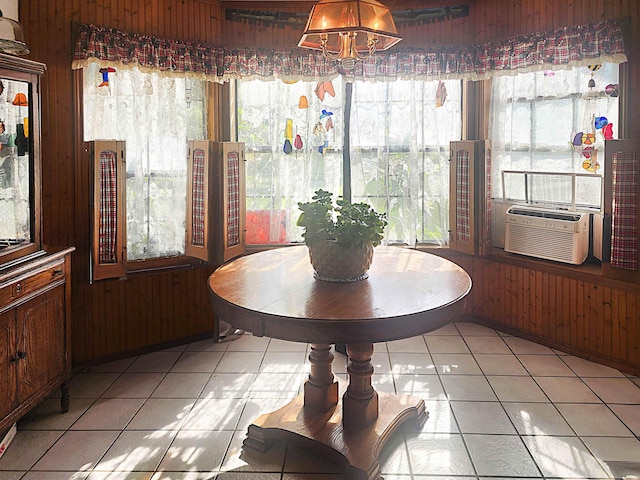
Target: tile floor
x=500, y=407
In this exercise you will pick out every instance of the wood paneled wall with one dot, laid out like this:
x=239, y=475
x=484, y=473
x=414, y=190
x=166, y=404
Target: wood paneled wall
x=112, y=318
x=587, y=316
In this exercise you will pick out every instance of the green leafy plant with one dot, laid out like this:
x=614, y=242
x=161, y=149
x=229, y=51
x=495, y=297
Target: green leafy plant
x=349, y=224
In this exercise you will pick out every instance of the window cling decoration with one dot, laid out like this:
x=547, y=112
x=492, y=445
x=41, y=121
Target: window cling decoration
x=22, y=132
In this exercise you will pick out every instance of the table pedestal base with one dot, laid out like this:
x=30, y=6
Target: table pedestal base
x=355, y=449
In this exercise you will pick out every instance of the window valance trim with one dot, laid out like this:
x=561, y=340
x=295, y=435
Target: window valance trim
x=112, y=47
x=560, y=48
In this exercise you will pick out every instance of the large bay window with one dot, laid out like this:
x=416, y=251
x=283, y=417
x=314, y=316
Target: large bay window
x=551, y=122
x=398, y=144
x=154, y=116
x=380, y=133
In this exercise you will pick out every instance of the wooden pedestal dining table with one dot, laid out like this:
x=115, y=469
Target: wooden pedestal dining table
x=274, y=293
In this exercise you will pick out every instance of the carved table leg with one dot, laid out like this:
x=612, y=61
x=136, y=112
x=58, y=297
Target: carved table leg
x=360, y=401
x=321, y=389
x=352, y=434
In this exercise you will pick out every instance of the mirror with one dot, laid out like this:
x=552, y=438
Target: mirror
x=16, y=173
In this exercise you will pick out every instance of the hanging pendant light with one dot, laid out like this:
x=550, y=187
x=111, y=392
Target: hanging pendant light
x=349, y=31
x=12, y=37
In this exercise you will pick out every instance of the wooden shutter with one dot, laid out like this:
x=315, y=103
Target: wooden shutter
x=216, y=204
x=108, y=219
x=232, y=198
x=621, y=239
x=198, y=199
x=470, y=196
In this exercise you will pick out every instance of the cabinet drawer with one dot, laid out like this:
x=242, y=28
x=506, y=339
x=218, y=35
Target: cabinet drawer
x=31, y=282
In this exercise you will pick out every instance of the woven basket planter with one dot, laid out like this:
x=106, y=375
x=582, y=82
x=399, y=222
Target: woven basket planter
x=334, y=263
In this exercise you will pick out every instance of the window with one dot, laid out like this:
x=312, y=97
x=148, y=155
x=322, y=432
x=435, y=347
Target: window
x=399, y=150
x=154, y=116
x=538, y=123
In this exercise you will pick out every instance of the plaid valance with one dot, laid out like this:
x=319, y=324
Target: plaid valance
x=114, y=47
x=569, y=46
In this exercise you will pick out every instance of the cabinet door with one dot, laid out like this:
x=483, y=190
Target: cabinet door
x=7, y=363
x=41, y=339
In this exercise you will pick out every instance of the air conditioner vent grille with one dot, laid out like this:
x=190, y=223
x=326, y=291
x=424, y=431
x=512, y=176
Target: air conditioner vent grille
x=558, y=236
x=564, y=216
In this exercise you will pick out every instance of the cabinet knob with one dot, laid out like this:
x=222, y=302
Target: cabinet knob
x=18, y=287
x=57, y=272
x=19, y=356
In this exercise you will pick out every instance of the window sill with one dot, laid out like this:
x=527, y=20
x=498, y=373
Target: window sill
x=163, y=265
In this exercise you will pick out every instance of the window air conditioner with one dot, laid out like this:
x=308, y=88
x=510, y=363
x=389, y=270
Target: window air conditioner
x=550, y=234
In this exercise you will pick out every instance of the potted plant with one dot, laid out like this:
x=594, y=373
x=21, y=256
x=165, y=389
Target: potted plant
x=340, y=237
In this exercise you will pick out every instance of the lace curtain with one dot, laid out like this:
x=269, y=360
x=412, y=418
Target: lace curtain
x=269, y=115
x=534, y=119
x=399, y=149
x=155, y=116
x=400, y=154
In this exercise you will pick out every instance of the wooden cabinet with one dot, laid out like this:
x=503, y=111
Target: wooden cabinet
x=35, y=287
x=35, y=332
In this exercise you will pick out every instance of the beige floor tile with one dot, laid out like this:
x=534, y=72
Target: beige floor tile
x=500, y=455
x=26, y=449
x=567, y=390
x=284, y=362
x=439, y=454
x=593, y=420
x=520, y=346
x=134, y=385
x=136, y=451
x=91, y=385
x=197, y=362
x=498, y=364
x=446, y=344
x=181, y=385
x=240, y=362
x=494, y=345
x=615, y=390
x=467, y=387
x=455, y=364
x=109, y=414
x=407, y=345
x=630, y=416
x=423, y=386
x=196, y=451
x=412, y=363
x=482, y=417
x=47, y=415
x=586, y=368
x=537, y=419
x=517, y=389
x=214, y=414
x=77, y=451
x=154, y=362
x=161, y=414
x=563, y=457
x=545, y=366
x=471, y=329
x=228, y=385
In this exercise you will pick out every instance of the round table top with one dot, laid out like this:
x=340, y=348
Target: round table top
x=274, y=293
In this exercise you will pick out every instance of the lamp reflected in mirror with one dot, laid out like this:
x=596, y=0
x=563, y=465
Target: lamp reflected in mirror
x=12, y=37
